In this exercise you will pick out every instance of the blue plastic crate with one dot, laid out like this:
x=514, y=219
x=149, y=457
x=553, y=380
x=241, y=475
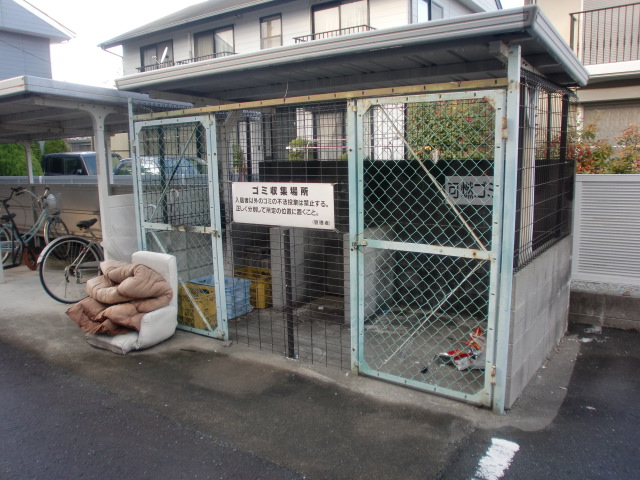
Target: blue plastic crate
x=237, y=293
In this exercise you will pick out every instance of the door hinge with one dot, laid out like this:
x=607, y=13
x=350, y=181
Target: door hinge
x=358, y=241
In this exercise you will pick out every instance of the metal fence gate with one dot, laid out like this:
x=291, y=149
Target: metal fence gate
x=428, y=240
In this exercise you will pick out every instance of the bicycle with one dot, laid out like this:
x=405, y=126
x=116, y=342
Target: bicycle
x=68, y=262
x=17, y=247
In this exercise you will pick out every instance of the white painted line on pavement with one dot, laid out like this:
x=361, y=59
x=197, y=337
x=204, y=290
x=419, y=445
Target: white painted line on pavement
x=497, y=460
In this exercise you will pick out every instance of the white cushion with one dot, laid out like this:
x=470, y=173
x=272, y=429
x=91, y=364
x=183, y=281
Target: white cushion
x=121, y=344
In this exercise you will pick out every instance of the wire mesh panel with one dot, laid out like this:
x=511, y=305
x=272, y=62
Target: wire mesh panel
x=178, y=213
x=546, y=168
x=284, y=197
x=428, y=168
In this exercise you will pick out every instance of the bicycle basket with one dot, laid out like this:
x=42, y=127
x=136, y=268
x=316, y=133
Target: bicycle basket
x=50, y=203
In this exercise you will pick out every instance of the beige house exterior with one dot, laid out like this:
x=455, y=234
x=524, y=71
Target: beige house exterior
x=604, y=35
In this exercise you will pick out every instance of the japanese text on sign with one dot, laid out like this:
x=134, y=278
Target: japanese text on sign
x=470, y=190
x=305, y=205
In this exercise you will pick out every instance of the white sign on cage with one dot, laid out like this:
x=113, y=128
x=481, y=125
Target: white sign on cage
x=305, y=205
x=470, y=190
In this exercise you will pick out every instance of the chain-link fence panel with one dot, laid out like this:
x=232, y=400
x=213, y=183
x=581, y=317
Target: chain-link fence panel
x=428, y=190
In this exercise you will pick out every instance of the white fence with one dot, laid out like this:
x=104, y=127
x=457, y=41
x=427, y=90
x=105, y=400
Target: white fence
x=606, y=244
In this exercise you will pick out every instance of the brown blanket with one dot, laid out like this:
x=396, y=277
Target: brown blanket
x=119, y=298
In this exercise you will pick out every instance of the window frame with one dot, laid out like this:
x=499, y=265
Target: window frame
x=263, y=38
x=336, y=4
x=158, y=47
x=429, y=6
x=212, y=33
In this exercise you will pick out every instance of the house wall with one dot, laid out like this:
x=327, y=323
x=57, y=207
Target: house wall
x=296, y=22
x=558, y=14
x=539, y=307
x=612, y=119
x=24, y=55
x=486, y=5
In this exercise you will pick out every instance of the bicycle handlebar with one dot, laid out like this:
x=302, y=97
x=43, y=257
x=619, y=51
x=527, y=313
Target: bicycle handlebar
x=21, y=191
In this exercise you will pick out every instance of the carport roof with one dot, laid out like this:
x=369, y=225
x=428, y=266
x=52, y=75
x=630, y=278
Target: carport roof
x=34, y=108
x=450, y=50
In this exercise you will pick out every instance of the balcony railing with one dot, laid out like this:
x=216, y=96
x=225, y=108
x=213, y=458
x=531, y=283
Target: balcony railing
x=205, y=57
x=607, y=35
x=333, y=33
x=157, y=66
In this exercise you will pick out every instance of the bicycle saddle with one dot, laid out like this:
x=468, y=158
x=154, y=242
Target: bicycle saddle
x=83, y=224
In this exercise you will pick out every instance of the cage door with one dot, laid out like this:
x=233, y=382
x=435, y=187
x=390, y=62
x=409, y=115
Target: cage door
x=177, y=192
x=428, y=238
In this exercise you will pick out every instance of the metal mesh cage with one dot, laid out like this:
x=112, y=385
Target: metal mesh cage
x=546, y=169
x=297, y=274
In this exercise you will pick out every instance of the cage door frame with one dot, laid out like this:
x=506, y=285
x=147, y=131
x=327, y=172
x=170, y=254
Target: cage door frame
x=361, y=244
x=221, y=330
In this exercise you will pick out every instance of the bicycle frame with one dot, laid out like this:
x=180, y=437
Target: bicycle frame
x=11, y=245
x=17, y=237
x=72, y=270
x=72, y=259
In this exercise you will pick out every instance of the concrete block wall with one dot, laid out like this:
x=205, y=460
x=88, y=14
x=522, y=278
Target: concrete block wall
x=539, y=315
x=297, y=241
x=193, y=251
x=607, y=309
x=378, y=275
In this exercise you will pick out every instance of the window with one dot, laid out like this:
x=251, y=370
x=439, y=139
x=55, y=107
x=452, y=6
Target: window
x=271, y=31
x=429, y=10
x=214, y=43
x=154, y=56
x=340, y=16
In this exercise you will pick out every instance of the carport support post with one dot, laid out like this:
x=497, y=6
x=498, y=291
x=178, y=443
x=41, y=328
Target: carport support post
x=98, y=115
x=27, y=151
x=513, y=57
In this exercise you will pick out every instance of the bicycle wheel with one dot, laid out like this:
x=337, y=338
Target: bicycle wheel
x=29, y=258
x=10, y=249
x=54, y=228
x=66, y=267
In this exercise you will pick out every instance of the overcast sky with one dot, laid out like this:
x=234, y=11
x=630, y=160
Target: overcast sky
x=93, y=22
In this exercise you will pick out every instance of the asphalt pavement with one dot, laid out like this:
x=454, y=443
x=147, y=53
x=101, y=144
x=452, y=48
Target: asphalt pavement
x=231, y=411
x=595, y=434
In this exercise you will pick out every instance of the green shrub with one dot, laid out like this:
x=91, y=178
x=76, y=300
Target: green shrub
x=55, y=146
x=301, y=149
x=600, y=156
x=239, y=159
x=13, y=160
x=451, y=130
